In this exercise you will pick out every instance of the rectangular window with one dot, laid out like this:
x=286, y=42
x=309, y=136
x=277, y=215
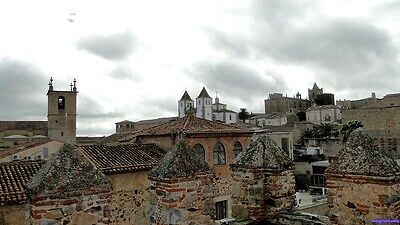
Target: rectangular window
x=221, y=208
x=62, y=134
x=285, y=146
x=45, y=153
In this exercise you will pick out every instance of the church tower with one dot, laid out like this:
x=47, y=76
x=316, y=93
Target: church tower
x=184, y=105
x=204, y=105
x=61, y=118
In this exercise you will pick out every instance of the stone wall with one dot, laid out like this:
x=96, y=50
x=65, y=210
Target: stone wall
x=185, y=201
x=381, y=123
x=258, y=194
x=14, y=215
x=357, y=200
x=92, y=206
x=130, y=198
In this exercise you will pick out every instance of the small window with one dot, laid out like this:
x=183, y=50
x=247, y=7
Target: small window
x=62, y=134
x=219, y=154
x=237, y=148
x=15, y=156
x=39, y=157
x=45, y=153
x=61, y=102
x=29, y=157
x=56, y=121
x=199, y=149
x=230, y=117
x=221, y=210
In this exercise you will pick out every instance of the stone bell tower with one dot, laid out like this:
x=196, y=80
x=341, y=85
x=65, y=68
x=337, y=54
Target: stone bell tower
x=61, y=118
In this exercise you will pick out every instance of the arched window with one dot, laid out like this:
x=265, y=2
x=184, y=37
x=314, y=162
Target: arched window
x=219, y=154
x=61, y=102
x=237, y=148
x=199, y=149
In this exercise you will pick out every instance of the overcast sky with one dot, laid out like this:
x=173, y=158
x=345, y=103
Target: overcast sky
x=134, y=59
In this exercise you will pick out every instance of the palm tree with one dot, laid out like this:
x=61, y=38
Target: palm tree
x=351, y=126
x=305, y=134
x=243, y=114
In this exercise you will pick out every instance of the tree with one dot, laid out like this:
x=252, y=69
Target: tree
x=243, y=114
x=351, y=126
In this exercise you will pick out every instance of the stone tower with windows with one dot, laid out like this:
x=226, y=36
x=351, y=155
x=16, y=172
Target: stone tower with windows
x=184, y=105
x=61, y=118
x=204, y=105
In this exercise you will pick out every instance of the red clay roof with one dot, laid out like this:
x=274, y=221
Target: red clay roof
x=123, y=158
x=194, y=125
x=13, y=177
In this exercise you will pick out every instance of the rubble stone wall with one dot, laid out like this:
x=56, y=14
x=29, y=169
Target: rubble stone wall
x=130, y=198
x=92, y=206
x=185, y=201
x=354, y=201
x=258, y=194
x=14, y=214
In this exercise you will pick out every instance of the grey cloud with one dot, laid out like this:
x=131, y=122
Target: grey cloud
x=89, y=110
x=23, y=91
x=232, y=45
x=124, y=73
x=112, y=47
x=157, y=107
x=95, y=130
x=239, y=84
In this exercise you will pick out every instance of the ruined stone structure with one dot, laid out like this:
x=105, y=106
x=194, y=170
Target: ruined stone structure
x=363, y=184
x=264, y=183
x=62, y=114
x=69, y=190
x=181, y=190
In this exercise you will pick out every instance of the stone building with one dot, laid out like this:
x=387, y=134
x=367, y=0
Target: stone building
x=27, y=130
x=34, y=150
x=314, y=92
x=181, y=190
x=61, y=118
x=324, y=114
x=277, y=103
x=222, y=113
x=185, y=104
x=363, y=184
x=127, y=167
x=69, y=190
x=264, y=183
x=204, y=105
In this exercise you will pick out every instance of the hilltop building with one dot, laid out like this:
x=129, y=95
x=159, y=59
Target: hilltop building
x=277, y=103
x=205, y=108
x=314, y=92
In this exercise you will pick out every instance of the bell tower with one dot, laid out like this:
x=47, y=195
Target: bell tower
x=61, y=118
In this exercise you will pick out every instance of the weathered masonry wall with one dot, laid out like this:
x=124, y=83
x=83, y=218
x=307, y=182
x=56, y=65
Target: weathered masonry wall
x=92, y=206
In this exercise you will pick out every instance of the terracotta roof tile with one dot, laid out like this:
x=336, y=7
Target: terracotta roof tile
x=13, y=177
x=194, y=125
x=123, y=158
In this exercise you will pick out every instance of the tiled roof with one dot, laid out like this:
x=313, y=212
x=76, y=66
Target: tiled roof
x=68, y=171
x=186, y=97
x=123, y=158
x=263, y=153
x=224, y=110
x=125, y=122
x=180, y=162
x=13, y=177
x=4, y=152
x=23, y=125
x=193, y=125
x=360, y=156
x=203, y=94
